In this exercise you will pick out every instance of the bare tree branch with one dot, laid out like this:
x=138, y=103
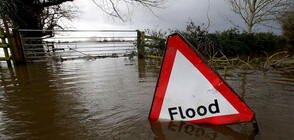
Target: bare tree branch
x=51, y=3
x=207, y=16
x=116, y=8
x=254, y=12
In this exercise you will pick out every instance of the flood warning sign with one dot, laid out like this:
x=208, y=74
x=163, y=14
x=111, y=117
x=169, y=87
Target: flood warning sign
x=188, y=89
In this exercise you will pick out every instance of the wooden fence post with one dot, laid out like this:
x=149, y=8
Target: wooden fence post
x=17, y=48
x=141, y=44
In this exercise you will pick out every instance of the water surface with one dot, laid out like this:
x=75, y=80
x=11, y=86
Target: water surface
x=110, y=99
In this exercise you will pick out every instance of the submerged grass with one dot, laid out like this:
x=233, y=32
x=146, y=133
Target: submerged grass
x=280, y=61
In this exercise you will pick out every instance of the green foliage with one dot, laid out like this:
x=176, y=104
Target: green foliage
x=199, y=38
x=155, y=42
x=288, y=26
x=234, y=43
x=229, y=43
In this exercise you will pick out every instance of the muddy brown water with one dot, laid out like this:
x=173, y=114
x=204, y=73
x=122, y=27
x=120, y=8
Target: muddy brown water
x=110, y=99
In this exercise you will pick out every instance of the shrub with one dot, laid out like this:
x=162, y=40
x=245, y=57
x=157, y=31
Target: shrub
x=229, y=43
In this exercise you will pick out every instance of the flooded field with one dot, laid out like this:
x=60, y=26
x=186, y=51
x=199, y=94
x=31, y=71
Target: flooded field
x=110, y=99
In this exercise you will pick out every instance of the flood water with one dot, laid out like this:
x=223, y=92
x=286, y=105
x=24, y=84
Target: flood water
x=110, y=99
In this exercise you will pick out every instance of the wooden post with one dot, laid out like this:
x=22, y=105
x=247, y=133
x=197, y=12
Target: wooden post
x=17, y=48
x=141, y=44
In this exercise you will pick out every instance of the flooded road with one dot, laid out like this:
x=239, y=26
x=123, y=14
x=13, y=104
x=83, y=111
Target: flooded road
x=110, y=99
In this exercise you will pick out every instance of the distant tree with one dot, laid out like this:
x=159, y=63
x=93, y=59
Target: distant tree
x=255, y=12
x=288, y=25
x=45, y=14
x=36, y=14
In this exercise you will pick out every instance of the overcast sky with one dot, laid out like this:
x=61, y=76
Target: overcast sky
x=174, y=15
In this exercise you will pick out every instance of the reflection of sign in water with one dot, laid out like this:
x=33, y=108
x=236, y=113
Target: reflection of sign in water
x=188, y=89
x=174, y=130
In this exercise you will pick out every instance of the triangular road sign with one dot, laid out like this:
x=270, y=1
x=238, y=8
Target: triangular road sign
x=189, y=89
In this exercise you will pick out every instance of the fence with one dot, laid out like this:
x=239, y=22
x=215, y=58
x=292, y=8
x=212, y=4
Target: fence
x=50, y=45
x=151, y=46
x=28, y=45
x=11, y=46
x=4, y=45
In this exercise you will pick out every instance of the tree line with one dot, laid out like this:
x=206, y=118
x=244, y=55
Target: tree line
x=46, y=14
x=228, y=43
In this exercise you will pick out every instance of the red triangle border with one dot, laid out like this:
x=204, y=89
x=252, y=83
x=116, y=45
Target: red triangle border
x=177, y=42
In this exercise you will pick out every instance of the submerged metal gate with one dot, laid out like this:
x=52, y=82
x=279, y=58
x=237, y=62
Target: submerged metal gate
x=56, y=45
